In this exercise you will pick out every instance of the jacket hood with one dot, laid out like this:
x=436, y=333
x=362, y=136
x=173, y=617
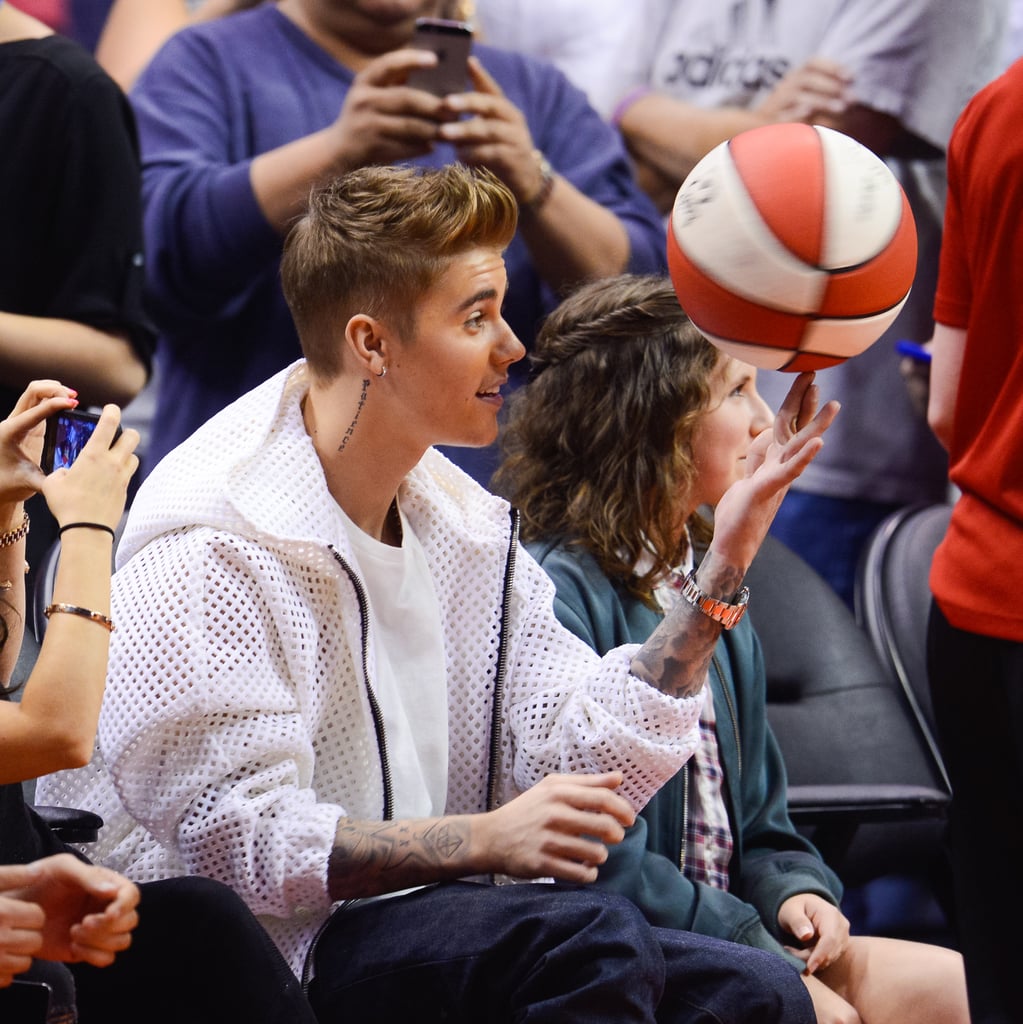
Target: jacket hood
x=252, y=470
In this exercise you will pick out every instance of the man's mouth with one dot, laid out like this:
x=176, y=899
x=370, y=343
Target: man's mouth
x=494, y=391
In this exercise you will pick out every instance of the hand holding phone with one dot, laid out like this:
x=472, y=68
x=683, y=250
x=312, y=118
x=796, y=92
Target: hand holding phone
x=451, y=41
x=66, y=435
x=94, y=488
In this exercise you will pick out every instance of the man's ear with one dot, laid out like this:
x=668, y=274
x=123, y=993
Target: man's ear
x=366, y=337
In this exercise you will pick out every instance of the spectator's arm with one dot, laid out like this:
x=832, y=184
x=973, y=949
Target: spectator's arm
x=947, y=348
x=102, y=365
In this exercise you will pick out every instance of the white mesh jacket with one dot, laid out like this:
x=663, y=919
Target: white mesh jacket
x=239, y=723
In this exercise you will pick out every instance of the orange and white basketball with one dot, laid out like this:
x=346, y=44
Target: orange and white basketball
x=791, y=247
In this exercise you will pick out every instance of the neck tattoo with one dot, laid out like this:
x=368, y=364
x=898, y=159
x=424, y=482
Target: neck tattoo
x=355, y=419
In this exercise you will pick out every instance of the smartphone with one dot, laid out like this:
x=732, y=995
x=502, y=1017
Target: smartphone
x=452, y=42
x=66, y=434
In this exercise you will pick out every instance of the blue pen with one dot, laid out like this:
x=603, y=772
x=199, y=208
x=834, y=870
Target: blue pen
x=913, y=350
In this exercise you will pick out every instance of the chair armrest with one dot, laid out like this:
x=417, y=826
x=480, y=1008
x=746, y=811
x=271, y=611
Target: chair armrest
x=71, y=824
x=858, y=804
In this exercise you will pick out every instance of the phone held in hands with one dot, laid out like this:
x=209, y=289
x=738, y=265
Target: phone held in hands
x=66, y=434
x=451, y=41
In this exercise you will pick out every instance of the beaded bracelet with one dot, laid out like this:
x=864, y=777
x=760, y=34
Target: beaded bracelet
x=86, y=526
x=13, y=536
x=86, y=613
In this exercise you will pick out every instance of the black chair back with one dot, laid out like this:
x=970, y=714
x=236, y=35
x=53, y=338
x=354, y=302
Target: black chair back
x=893, y=600
x=862, y=782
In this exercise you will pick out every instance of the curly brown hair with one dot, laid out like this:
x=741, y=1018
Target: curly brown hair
x=596, y=448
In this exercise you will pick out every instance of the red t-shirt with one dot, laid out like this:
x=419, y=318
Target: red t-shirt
x=977, y=575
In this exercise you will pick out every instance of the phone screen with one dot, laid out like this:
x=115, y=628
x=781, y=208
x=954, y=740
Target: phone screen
x=451, y=41
x=66, y=434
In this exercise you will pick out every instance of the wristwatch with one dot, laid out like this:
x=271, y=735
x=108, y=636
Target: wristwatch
x=720, y=611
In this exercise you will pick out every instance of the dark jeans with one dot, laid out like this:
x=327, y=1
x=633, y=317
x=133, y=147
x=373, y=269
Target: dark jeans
x=198, y=956
x=977, y=689
x=538, y=953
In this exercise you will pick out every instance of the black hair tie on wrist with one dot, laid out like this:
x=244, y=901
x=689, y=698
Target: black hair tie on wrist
x=86, y=526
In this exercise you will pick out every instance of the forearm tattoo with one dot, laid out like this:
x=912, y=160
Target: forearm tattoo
x=377, y=857
x=677, y=654
x=355, y=419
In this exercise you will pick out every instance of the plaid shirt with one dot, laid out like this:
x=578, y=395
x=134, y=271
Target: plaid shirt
x=707, y=840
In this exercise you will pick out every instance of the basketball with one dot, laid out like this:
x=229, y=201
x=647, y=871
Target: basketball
x=791, y=247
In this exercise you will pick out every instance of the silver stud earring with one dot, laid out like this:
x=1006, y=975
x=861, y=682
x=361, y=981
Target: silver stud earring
x=383, y=371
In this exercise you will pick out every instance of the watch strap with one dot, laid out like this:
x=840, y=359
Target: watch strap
x=727, y=614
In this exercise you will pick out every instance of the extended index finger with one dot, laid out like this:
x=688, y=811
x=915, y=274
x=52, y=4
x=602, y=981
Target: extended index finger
x=789, y=419
x=22, y=421
x=39, y=390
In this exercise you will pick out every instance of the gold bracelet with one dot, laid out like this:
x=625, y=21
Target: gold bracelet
x=86, y=613
x=13, y=536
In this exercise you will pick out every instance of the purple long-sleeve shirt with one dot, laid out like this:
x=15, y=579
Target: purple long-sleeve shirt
x=223, y=92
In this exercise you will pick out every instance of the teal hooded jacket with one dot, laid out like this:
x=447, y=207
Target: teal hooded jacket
x=771, y=861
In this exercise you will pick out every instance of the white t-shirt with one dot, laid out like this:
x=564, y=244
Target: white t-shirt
x=918, y=60
x=410, y=676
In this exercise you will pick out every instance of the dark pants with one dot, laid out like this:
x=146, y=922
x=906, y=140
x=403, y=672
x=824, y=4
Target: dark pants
x=977, y=688
x=198, y=956
x=537, y=953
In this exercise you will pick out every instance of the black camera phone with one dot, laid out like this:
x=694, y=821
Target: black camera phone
x=66, y=434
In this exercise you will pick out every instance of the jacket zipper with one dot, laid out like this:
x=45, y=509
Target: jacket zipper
x=501, y=672
x=374, y=704
x=730, y=701
x=385, y=766
x=685, y=818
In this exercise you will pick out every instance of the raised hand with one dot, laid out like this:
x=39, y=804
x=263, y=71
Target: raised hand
x=492, y=132
x=383, y=120
x=776, y=459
